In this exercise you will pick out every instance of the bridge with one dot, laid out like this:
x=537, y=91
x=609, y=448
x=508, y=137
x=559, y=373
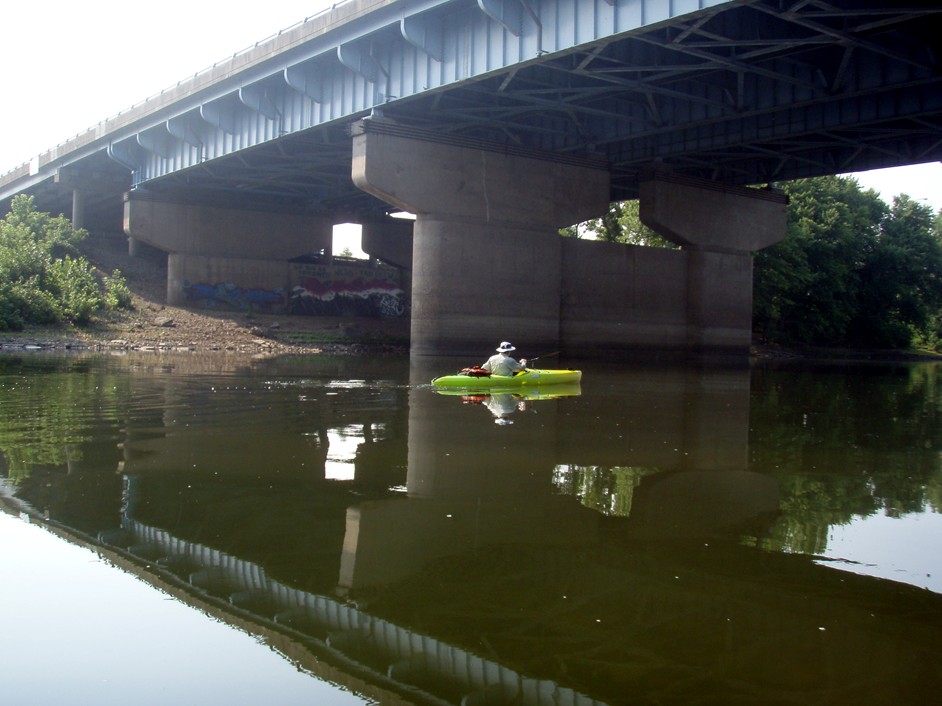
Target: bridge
x=497, y=122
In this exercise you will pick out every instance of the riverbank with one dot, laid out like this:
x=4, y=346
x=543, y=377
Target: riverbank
x=152, y=325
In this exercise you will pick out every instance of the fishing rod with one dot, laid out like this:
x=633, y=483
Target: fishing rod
x=543, y=355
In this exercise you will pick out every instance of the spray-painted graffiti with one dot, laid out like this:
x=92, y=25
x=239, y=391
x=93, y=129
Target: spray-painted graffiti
x=231, y=295
x=345, y=290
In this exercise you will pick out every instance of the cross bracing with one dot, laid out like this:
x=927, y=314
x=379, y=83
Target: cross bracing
x=743, y=92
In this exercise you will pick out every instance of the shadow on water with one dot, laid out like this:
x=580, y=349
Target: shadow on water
x=650, y=535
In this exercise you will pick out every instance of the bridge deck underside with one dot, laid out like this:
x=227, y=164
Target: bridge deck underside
x=738, y=92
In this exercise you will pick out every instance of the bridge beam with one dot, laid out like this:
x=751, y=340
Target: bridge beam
x=487, y=256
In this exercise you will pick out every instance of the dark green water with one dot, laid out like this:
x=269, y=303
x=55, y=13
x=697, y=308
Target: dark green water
x=670, y=536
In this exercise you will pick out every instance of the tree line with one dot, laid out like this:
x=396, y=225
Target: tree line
x=852, y=271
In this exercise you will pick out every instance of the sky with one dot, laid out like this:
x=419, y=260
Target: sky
x=67, y=66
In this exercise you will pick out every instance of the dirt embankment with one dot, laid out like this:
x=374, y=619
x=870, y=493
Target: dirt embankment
x=152, y=325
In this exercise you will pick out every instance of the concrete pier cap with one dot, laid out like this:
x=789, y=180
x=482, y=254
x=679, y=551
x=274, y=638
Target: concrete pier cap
x=698, y=213
x=487, y=255
x=425, y=173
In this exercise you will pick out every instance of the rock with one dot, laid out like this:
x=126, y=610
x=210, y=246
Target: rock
x=163, y=322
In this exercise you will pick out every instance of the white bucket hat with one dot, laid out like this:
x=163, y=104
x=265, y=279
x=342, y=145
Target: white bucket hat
x=505, y=347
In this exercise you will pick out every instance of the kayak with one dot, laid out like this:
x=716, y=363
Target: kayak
x=528, y=378
x=527, y=393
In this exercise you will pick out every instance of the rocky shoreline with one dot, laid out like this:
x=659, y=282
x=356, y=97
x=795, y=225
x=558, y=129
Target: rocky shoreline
x=183, y=331
x=152, y=325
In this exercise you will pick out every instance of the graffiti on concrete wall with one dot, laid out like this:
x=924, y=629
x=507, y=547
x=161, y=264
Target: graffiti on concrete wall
x=232, y=296
x=345, y=289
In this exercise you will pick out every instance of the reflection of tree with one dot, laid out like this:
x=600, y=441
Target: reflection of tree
x=50, y=410
x=608, y=490
x=47, y=413
x=810, y=506
x=934, y=492
x=842, y=442
x=845, y=444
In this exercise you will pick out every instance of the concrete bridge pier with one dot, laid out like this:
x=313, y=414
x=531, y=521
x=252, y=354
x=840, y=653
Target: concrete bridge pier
x=718, y=227
x=209, y=246
x=487, y=256
x=78, y=209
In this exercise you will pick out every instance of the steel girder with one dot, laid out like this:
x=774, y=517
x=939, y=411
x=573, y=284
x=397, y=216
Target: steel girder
x=747, y=91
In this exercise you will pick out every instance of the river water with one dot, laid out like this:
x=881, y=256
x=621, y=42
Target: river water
x=332, y=530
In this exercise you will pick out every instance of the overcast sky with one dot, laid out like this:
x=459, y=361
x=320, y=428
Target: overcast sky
x=68, y=65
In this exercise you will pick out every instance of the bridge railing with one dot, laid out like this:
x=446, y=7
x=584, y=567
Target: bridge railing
x=193, y=77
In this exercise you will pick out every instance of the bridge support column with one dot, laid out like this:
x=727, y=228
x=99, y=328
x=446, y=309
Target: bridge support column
x=78, y=209
x=718, y=227
x=487, y=255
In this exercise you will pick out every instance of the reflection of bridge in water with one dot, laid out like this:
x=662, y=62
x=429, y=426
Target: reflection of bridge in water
x=418, y=665
x=830, y=633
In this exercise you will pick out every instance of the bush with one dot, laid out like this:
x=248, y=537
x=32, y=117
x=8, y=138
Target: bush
x=25, y=302
x=73, y=283
x=43, y=279
x=117, y=293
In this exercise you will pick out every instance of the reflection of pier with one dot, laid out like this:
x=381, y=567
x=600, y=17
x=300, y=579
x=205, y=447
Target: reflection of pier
x=416, y=665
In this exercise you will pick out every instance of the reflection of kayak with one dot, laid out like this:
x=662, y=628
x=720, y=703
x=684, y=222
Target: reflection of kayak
x=527, y=394
x=528, y=378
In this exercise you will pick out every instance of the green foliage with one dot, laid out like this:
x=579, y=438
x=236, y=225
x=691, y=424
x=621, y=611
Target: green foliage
x=930, y=337
x=903, y=276
x=53, y=235
x=569, y=231
x=73, y=283
x=851, y=271
x=23, y=302
x=634, y=232
x=43, y=279
x=622, y=224
x=117, y=294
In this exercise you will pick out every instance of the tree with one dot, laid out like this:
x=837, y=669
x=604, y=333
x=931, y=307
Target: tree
x=902, y=278
x=851, y=271
x=811, y=296
x=622, y=224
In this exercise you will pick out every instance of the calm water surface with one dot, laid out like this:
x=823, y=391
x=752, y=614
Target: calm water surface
x=211, y=529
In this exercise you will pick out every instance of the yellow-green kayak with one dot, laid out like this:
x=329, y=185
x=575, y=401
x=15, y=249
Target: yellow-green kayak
x=527, y=393
x=528, y=378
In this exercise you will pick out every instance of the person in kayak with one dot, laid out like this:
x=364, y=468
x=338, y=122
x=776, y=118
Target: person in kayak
x=502, y=364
